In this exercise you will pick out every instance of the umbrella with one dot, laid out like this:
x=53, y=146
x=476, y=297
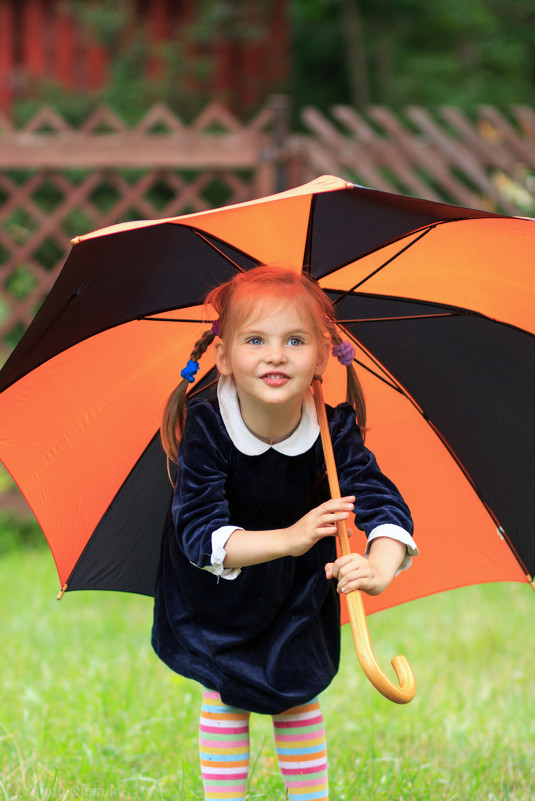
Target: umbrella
x=438, y=300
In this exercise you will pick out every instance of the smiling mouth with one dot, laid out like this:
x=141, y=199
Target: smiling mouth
x=275, y=379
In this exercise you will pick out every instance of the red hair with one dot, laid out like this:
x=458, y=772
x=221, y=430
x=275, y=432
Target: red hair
x=247, y=293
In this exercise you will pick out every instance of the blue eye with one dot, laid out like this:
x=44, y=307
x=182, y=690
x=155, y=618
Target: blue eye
x=294, y=341
x=254, y=341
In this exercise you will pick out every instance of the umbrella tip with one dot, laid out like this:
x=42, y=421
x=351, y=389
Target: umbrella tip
x=61, y=593
x=75, y=240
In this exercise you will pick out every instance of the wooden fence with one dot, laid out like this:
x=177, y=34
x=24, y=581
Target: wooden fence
x=57, y=181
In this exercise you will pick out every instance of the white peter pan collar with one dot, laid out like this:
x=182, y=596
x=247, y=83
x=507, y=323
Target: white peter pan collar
x=302, y=439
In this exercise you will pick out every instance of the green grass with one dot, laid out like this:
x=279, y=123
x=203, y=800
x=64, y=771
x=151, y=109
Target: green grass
x=88, y=712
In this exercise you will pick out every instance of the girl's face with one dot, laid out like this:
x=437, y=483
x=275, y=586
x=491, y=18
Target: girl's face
x=273, y=358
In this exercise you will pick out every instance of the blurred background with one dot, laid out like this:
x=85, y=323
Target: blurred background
x=113, y=111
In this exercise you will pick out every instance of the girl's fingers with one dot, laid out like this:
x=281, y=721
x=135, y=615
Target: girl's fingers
x=353, y=572
x=334, y=517
x=330, y=518
x=325, y=523
x=352, y=567
x=338, y=505
x=325, y=517
x=350, y=559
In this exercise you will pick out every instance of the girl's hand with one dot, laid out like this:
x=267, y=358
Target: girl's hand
x=319, y=522
x=371, y=575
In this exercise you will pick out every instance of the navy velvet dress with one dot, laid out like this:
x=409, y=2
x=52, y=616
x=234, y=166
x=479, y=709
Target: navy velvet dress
x=269, y=639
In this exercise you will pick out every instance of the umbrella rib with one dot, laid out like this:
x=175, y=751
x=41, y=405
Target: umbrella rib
x=382, y=378
x=400, y=318
x=218, y=250
x=385, y=264
x=347, y=320
x=172, y=320
x=307, y=252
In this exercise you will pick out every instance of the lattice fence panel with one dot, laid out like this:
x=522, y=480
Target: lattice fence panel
x=484, y=160
x=57, y=182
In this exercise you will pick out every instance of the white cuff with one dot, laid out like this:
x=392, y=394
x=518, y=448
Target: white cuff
x=219, y=540
x=394, y=532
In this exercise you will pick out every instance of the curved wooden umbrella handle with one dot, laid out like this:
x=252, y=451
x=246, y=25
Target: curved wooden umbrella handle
x=406, y=690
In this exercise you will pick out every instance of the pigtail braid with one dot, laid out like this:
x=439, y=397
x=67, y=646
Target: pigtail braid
x=354, y=391
x=175, y=409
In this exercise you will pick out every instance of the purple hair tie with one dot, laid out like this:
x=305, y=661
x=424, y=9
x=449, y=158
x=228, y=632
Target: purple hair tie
x=344, y=352
x=215, y=328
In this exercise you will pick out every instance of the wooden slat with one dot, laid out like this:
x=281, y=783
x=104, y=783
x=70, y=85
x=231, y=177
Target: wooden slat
x=158, y=27
x=96, y=65
x=526, y=119
x=278, y=45
x=524, y=150
x=6, y=53
x=175, y=150
x=34, y=39
x=65, y=48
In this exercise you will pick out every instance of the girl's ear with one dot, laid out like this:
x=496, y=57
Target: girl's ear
x=324, y=351
x=221, y=358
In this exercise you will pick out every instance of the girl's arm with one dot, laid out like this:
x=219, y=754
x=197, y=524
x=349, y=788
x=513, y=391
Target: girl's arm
x=254, y=547
x=372, y=574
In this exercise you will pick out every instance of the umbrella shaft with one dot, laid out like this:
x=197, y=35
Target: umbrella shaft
x=357, y=615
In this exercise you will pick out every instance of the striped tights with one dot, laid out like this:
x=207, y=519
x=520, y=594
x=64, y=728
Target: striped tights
x=224, y=750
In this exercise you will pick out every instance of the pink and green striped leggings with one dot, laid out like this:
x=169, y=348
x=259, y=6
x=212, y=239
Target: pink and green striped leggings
x=224, y=750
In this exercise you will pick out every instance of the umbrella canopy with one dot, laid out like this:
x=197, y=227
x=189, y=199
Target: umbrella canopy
x=437, y=299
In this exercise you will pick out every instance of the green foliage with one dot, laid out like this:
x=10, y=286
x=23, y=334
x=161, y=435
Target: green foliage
x=106, y=19
x=465, y=53
x=6, y=481
x=413, y=52
x=319, y=73
x=18, y=533
x=226, y=19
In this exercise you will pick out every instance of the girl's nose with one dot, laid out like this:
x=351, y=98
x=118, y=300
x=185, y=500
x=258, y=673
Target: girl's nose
x=275, y=353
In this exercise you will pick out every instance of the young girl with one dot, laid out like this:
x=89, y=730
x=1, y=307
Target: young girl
x=247, y=594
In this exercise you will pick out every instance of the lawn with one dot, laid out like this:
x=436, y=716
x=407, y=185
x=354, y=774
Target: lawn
x=88, y=712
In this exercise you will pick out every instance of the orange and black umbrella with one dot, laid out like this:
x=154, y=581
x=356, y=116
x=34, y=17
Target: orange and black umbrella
x=438, y=300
